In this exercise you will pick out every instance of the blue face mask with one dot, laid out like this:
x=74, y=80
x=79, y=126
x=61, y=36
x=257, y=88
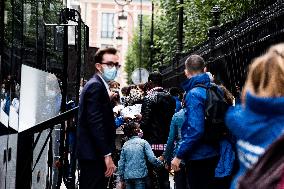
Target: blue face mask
x=109, y=73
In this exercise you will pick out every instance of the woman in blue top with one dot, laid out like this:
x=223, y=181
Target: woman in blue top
x=132, y=167
x=259, y=120
x=173, y=144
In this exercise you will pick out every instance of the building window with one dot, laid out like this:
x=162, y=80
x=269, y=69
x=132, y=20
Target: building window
x=103, y=46
x=107, y=25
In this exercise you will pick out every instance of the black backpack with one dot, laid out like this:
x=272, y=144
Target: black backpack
x=215, y=110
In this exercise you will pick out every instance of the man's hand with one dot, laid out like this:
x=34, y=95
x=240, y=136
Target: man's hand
x=112, y=95
x=161, y=158
x=175, y=164
x=110, y=167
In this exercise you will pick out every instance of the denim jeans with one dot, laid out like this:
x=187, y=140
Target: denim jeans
x=138, y=183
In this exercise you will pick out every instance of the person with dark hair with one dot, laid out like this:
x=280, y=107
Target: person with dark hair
x=201, y=158
x=132, y=167
x=96, y=126
x=125, y=92
x=114, y=87
x=158, y=107
x=100, y=55
x=156, y=78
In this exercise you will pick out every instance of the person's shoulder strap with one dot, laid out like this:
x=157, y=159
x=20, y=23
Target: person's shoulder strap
x=212, y=86
x=202, y=86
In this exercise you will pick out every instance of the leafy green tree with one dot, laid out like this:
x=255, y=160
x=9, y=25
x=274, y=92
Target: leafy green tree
x=133, y=54
x=197, y=20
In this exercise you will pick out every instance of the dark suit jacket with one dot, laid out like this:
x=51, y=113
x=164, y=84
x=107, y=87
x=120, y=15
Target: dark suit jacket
x=96, y=126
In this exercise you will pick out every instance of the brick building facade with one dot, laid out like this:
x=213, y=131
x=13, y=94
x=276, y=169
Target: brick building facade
x=102, y=18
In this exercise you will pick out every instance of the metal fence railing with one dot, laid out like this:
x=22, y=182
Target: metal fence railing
x=229, y=53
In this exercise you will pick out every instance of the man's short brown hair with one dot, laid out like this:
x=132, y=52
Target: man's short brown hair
x=194, y=63
x=100, y=53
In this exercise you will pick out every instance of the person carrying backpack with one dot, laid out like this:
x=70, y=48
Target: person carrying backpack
x=200, y=156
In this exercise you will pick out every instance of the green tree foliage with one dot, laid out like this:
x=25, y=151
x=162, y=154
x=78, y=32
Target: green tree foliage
x=133, y=54
x=197, y=20
x=27, y=16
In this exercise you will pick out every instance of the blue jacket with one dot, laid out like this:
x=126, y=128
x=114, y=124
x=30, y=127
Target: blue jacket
x=174, y=138
x=255, y=126
x=192, y=147
x=132, y=163
x=119, y=120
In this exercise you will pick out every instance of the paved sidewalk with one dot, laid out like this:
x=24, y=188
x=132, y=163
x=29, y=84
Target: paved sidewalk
x=171, y=181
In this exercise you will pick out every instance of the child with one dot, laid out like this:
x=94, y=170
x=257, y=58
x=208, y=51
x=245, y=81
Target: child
x=135, y=152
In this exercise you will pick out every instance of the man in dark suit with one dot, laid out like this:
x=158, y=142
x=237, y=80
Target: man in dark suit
x=96, y=126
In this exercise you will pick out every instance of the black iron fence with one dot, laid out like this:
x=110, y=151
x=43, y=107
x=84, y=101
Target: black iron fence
x=231, y=47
